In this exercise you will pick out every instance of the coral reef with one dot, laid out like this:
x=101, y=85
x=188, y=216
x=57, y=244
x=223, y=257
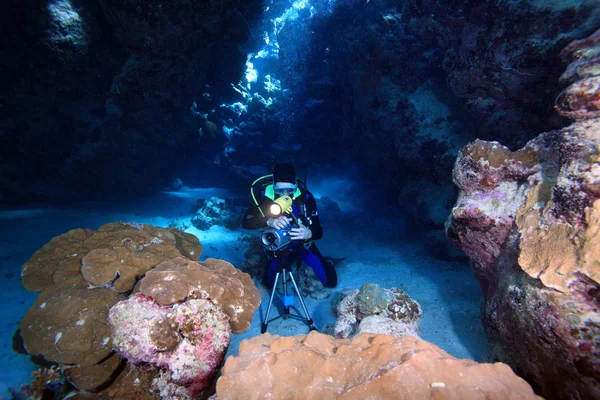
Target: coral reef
x=372, y=309
x=491, y=180
x=185, y=342
x=216, y=211
x=317, y=366
x=113, y=256
x=176, y=280
x=67, y=324
x=83, y=273
x=187, y=244
x=95, y=376
x=134, y=383
x=47, y=384
x=532, y=239
x=529, y=221
x=581, y=100
x=421, y=78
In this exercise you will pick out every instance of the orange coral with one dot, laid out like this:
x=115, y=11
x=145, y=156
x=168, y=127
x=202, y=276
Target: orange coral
x=317, y=366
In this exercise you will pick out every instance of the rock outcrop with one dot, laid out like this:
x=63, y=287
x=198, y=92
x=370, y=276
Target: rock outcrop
x=372, y=309
x=499, y=57
x=121, y=76
x=529, y=221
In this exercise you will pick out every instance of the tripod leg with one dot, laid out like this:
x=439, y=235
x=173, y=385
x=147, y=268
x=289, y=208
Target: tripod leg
x=263, y=327
x=309, y=320
x=286, y=309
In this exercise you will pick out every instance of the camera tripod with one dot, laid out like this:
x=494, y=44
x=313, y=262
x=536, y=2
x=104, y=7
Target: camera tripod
x=284, y=270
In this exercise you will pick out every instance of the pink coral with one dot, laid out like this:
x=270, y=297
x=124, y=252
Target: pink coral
x=188, y=350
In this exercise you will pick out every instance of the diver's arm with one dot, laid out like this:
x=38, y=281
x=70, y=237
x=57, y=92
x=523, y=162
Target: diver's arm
x=253, y=219
x=313, y=214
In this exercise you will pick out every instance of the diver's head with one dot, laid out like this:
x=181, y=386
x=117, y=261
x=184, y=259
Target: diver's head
x=284, y=180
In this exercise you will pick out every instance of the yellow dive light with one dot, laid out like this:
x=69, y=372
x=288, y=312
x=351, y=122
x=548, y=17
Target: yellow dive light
x=281, y=205
x=277, y=239
x=275, y=210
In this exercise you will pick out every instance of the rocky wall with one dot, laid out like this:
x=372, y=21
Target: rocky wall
x=97, y=95
x=528, y=220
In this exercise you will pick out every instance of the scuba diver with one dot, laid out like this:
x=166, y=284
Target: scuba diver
x=303, y=226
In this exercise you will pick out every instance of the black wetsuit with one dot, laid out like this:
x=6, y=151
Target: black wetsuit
x=305, y=209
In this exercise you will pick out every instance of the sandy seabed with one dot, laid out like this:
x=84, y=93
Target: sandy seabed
x=381, y=253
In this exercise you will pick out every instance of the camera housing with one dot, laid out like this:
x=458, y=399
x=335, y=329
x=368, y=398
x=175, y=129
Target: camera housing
x=276, y=239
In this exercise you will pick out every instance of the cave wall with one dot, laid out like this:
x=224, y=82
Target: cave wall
x=97, y=94
x=422, y=78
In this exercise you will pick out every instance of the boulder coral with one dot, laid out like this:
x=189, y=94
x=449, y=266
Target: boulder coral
x=372, y=309
x=179, y=279
x=81, y=274
x=95, y=376
x=529, y=221
x=115, y=255
x=317, y=366
x=68, y=325
x=185, y=342
x=187, y=244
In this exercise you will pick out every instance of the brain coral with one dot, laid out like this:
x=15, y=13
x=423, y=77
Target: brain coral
x=177, y=279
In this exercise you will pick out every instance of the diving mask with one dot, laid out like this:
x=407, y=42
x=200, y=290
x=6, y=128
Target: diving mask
x=284, y=189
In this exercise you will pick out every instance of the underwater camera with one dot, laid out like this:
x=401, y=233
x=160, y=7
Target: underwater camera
x=278, y=239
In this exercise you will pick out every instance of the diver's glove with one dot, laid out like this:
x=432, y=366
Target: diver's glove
x=300, y=233
x=278, y=223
